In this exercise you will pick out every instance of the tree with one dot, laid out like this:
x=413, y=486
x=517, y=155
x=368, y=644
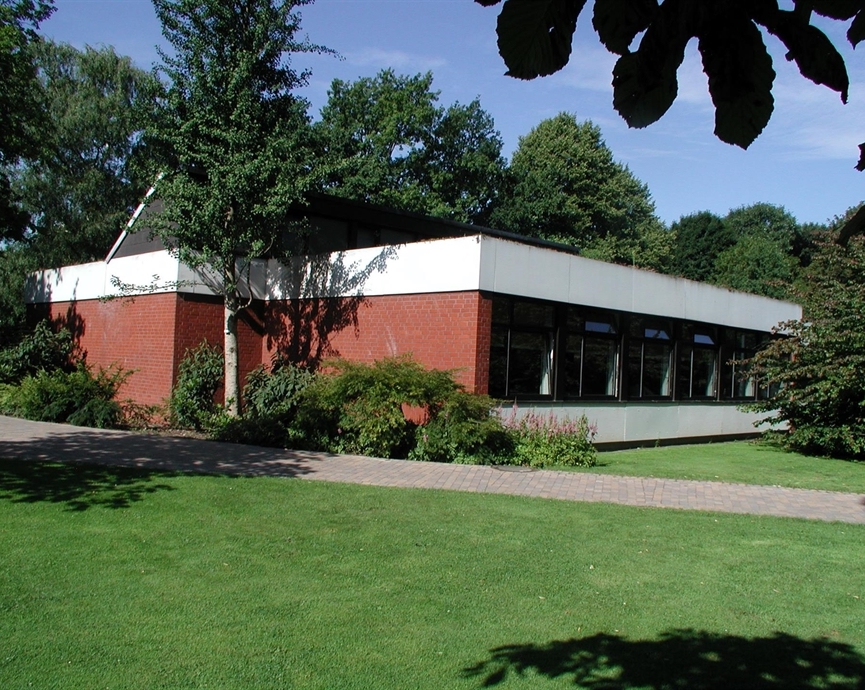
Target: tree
x=565, y=186
x=86, y=170
x=769, y=248
x=393, y=145
x=699, y=239
x=756, y=264
x=92, y=166
x=234, y=141
x=21, y=114
x=817, y=373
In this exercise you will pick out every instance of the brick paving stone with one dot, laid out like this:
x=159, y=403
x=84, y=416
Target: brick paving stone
x=41, y=441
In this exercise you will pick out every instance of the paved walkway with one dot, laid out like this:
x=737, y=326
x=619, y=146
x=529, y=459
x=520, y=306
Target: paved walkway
x=41, y=441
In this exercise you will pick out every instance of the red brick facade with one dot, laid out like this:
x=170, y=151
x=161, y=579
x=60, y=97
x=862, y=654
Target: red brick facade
x=150, y=334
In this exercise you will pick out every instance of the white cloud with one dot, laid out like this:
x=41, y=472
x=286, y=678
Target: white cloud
x=397, y=59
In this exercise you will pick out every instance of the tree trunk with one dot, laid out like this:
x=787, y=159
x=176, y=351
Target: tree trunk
x=232, y=373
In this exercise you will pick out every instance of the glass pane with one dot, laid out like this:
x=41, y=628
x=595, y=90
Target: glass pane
x=733, y=371
x=598, y=326
x=698, y=334
x=389, y=237
x=571, y=362
x=635, y=369
x=683, y=372
x=644, y=328
x=746, y=341
x=366, y=237
x=575, y=320
x=656, y=370
x=499, y=363
x=703, y=381
x=501, y=311
x=599, y=366
x=530, y=370
x=532, y=314
x=743, y=388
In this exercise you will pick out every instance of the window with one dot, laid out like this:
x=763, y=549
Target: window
x=739, y=346
x=650, y=356
x=696, y=368
x=542, y=350
x=591, y=355
x=521, y=355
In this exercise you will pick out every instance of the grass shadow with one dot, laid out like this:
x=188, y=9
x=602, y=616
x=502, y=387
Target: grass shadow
x=78, y=486
x=697, y=660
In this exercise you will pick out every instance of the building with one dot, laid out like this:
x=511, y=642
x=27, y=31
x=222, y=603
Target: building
x=648, y=357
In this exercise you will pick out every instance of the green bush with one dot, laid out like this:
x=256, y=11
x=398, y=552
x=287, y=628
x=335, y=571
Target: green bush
x=270, y=403
x=41, y=350
x=464, y=430
x=192, y=404
x=357, y=408
x=274, y=394
x=544, y=441
x=78, y=397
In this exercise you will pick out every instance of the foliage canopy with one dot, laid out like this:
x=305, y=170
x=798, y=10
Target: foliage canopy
x=234, y=140
x=818, y=372
x=565, y=186
x=390, y=143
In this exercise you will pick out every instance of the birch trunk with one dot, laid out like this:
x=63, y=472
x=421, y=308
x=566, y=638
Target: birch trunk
x=232, y=374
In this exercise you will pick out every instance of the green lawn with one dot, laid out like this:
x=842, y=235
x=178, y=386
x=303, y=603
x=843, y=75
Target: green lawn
x=127, y=579
x=743, y=462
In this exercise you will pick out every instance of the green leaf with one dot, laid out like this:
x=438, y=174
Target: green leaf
x=535, y=35
x=856, y=32
x=643, y=91
x=740, y=77
x=619, y=21
x=644, y=83
x=837, y=9
x=815, y=56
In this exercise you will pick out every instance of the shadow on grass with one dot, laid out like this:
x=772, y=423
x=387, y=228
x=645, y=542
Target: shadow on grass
x=696, y=660
x=78, y=486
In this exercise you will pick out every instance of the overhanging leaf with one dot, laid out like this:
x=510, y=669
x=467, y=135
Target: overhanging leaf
x=815, y=56
x=619, y=21
x=856, y=32
x=740, y=77
x=644, y=82
x=642, y=94
x=837, y=9
x=488, y=3
x=535, y=36
x=860, y=166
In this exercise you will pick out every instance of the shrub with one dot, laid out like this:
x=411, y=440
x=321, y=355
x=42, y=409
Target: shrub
x=78, y=397
x=815, y=373
x=270, y=403
x=542, y=441
x=41, y=350
x=358, y=408
x=275, y=395
x=192, y=404
x=464, y=430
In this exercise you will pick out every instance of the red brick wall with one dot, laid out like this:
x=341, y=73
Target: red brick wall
x=135, y=334
x=442, y=331
x=484, y=341
x=201, y=317
x=151, y=333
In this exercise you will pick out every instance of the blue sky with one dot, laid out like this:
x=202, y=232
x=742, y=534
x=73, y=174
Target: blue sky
x=803, y=160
